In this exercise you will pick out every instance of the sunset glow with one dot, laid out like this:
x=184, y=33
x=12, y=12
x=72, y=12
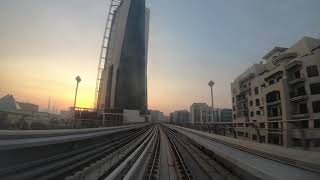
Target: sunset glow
x=46, y=44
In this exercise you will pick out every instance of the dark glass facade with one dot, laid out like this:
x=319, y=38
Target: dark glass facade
x=129, y=71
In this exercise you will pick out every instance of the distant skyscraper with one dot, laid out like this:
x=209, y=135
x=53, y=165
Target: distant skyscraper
x=124, y=79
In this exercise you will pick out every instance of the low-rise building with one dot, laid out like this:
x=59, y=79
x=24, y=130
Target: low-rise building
x=157, y=116
x=201, y=113
x=181, y=116
x=28, y=106
x=225, y=115
x=277, y=101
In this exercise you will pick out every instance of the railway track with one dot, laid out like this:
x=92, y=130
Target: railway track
x=152, y=152
x=203, y=164
x=181, y=167
x=65, y=164
x=152, y=172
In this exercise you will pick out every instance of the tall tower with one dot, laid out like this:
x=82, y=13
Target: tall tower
x=123, y=82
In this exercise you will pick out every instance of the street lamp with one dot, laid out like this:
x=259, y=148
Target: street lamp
x=211, y=83
x=78, y=79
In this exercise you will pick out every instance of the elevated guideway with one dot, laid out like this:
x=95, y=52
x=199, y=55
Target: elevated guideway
x=147, y=151
x=251, y=160
x=16, y=139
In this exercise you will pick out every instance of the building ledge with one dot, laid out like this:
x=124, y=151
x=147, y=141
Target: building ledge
x=245, y=89
x=293, y=64
x=274, y=118
x=296, y=80
x=300, y=116
x=297, y=98
x=284, y=56
x=274, y=102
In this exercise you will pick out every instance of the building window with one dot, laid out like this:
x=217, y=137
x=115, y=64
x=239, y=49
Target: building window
x=316, y=123
x=251, y=103
x=271, y=82
x=263, y=85
x=279, y=78
x=303, y=108
x=234, y=116
x=233, y=99
x=262, y=139
x=301, y=91
x=254, y=137
x=315, y=88
x=316, y=106
x=262, y=125
x=256, y=90
x=257, y=112
x=312, y=71
x=251, y=114
x=297, y=74
x=273, y=96
x=257, y=102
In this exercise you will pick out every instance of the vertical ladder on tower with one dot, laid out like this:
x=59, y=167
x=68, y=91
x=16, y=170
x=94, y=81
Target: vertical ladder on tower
x=114, y=4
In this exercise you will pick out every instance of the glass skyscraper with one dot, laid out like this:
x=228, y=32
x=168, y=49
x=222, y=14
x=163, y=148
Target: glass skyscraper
x=124, y=80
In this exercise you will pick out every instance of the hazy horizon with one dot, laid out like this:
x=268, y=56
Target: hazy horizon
x=45, y=44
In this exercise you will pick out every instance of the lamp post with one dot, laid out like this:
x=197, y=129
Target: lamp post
x=78, y=79
x=211, y=83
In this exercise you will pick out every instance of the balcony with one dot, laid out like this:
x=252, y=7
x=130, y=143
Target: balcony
x=299, y=98
x=242, y=100
x=243, y=119
x=243, y=109
x=274, y=102
x=274, y=118
x=305, y=133
x=302, y=95
x=245, y=89
x=300, y=116
x=275, y=131
x=285, y=56
x=296, y=80
x=293, y=64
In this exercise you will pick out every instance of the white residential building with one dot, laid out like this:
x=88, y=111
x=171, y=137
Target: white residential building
x=201, y=113
x=278, y=100
x=181, y=116
x=157, y=116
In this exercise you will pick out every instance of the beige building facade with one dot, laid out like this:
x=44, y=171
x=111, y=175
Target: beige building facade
x=277, y=101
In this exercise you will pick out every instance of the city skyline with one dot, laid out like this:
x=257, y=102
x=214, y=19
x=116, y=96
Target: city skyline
x=62, y=41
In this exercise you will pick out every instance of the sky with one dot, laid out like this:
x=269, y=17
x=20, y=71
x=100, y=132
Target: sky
x=45, y=44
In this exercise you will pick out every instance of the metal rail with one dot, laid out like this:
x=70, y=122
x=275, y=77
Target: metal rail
x=182, y=169
x=249, y=165
x=11, y=144
x=63, y=164
x=125, y=166
x=154, y=163
x=105, y=166
x=25, y=134
x=208, y=165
